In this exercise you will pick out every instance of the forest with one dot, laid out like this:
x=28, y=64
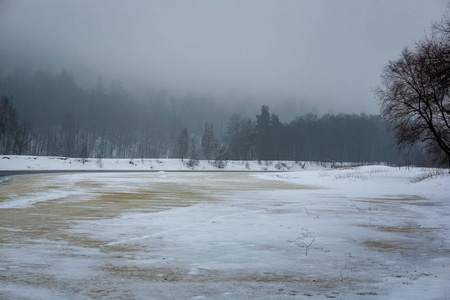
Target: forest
x=49, y=114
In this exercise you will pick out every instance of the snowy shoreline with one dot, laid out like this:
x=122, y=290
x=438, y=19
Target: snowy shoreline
x=31, y=164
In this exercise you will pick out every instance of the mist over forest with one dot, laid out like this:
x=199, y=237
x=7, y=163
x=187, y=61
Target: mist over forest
x=63, y=119
x=203, y=80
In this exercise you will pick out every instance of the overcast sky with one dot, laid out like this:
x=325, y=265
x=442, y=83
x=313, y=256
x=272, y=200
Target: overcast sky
x=330, y=53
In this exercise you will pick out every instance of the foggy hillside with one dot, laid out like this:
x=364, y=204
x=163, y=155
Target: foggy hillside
x=107, y=120
x=129, y=80
x=325, y=53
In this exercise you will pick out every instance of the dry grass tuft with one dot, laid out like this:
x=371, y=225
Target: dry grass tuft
x=428, y=174
x=351, y=175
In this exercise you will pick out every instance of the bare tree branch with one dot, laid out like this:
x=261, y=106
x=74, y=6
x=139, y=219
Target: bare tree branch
x=415, y=97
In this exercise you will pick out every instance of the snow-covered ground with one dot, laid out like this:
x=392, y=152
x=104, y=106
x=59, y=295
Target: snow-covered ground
x=40, y=163
x=370, y=232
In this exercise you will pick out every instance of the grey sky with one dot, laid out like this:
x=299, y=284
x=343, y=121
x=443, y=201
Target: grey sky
x=329, y=53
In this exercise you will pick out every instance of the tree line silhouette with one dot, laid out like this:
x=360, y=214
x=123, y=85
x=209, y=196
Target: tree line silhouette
x=49, y=114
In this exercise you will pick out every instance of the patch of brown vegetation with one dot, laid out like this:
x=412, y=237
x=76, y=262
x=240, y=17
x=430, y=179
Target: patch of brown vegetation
x=386, y=246
x=400, y=229
x=401, y=198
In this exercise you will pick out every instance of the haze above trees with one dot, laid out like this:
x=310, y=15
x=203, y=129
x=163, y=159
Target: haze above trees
x=51, y=113
x=67, y=120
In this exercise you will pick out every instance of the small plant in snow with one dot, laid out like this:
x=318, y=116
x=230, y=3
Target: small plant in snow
x=361, y=209
x=348, y=175
x=307, y=211
x=306, y=240
x=219, y=163
x=309, y=214
x=282, y=166
x=368, y=211
x=192, y=163
x=324, y=174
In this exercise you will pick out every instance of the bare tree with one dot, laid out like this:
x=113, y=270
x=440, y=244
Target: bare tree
x=23, y=138
x=84, y=154
x=415, y=99
x=9, y=126
x=209, y=143
x=442, y=27
x=69, y=133
x=183, y=143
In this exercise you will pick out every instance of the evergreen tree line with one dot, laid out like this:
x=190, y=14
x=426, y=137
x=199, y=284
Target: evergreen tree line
x=49, y=114
x=335, y=138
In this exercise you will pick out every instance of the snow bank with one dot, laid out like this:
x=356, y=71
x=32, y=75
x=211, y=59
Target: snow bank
x=44, y=163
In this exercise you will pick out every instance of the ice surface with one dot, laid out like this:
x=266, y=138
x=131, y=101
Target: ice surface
x=373, y=234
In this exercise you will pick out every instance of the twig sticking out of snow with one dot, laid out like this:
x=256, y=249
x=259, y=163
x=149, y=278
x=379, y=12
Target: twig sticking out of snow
x=301, y=240
x=307, y=245
x=360, y=209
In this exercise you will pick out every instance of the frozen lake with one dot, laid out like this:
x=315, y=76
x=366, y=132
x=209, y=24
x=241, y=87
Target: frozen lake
x=367, y=232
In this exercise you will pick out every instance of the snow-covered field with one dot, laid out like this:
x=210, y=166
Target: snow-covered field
x=370, y=232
